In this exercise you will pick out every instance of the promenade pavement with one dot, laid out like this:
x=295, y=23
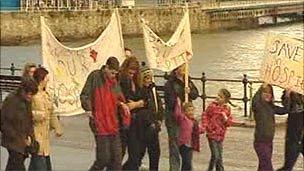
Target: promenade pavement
x=75, y=150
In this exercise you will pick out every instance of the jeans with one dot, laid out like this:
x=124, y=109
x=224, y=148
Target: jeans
x=186, y=154
x=107, y=152
x=15, y=161
x=264, y=153
x=216, y=149
x=40, y=163
x=174, y=159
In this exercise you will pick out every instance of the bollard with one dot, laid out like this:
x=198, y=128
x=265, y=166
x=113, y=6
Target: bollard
x=245, y=98
x=166, y=76
x=12, y=68
x=203, y=79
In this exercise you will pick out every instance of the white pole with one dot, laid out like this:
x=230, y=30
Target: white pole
x=186, y=81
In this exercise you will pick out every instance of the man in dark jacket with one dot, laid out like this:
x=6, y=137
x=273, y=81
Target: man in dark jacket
x=294, y=133
x=17, y=125
x=175, y=87
x=101, y=96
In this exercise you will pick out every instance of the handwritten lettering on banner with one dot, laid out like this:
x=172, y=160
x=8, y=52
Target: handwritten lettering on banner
x=166, y=56
x=283, y=63
x=69, y=67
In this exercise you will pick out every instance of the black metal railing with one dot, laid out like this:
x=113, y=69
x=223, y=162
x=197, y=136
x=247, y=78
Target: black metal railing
x=13, y=69
x=247, y=86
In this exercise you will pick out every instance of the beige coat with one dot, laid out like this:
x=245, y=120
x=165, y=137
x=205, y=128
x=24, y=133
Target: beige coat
x=44, y=121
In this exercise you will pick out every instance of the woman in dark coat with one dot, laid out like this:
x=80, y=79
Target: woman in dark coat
x=16, y=124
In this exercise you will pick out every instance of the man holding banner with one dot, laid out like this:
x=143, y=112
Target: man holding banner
x=167, y=56
x=175, y=87
x=101, y=96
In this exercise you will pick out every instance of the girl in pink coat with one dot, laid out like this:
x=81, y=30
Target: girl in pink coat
x=215, y=121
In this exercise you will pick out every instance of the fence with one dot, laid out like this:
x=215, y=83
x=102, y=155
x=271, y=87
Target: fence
x=74, y=5
x=247, y=87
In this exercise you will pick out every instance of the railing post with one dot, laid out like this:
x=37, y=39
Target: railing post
x=250, y=99
x=203, y=79
x=166, y=76
x=245, y=98
x=12, y=69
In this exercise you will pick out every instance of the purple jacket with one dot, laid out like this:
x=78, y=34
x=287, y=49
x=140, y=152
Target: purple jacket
x=189, y=129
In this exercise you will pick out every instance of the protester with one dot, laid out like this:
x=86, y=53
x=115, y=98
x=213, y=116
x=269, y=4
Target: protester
x=101, y=96
x=28, y=71
x=129, y=82
x=44, y=120
x=175, y=87
x=215, y=121
x=17, y=125
x=189, y=130
x=295, y=129
x=264, y=109
x=128, y=52
x=152, y=118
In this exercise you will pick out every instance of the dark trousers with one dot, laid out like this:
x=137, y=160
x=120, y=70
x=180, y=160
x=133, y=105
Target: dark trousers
x=108, y=151
x=151, y=143
x=216, y=161
x=186, y=154
x=40, y=163
x=264, y=153
x=15, y=161
x=292, y=150
x=134, y=149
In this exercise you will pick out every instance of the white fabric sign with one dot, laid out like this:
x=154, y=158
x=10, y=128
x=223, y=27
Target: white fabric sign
x=166, y=56
x=69, y=67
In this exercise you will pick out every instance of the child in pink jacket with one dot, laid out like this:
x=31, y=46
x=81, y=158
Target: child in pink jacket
x=188, y=137
x=215, y=121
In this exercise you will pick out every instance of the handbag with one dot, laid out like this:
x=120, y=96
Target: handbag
x=33, y=148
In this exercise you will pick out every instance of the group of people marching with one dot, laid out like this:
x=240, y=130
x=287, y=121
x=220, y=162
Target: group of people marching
x=27, y=119
x=125, y=116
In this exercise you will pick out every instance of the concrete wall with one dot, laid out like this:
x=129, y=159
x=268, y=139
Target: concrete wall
x=24, y=27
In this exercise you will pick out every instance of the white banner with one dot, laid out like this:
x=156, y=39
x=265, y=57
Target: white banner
x=283, y=63
x=69, y=67
x=167, y=56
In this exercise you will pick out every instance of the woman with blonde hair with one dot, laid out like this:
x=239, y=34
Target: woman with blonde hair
x=44, y=119
x=28, y=70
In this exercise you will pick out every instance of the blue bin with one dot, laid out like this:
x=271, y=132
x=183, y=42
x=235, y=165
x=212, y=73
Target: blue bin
x=9, y=5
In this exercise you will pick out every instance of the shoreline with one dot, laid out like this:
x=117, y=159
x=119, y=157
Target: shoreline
x=37, y=41
x=18, y=28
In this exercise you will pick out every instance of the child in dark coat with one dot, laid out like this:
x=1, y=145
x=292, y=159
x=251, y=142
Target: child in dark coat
x=264, y=111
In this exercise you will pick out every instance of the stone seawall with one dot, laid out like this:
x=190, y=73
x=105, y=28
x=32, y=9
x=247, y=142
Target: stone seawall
x=23, y=27
x=19, y=27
